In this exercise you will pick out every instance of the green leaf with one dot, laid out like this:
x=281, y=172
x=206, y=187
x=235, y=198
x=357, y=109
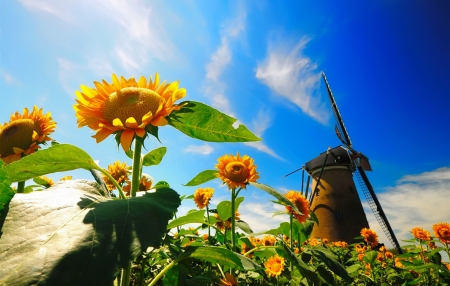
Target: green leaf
x=41, y=181
x=325, y=274
x=33, y=188
x=57, y=158
x=305, y=230
x=276, y=194
x=193, y=217
x=203, y=122
x=154, y=157
x=224, y=208
x=370, y=256
x=331, y=261
x=202, y=177
x=129, y=153
x=221, y=256
x=72, y=234
x=161, y=184
x=153, y=130
x=245, y=227
x=6, y=192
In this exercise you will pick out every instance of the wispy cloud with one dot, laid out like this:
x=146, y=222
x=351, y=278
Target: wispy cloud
x=292, y=75
x=415, y=201
x=132, y=32
x=220, y=59
x=204, y=149
x=259, y=125
x=6, y=76
x=259, y=215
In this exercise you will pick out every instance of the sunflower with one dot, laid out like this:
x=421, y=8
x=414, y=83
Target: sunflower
x=145, y=184
x=66, y=178
x=421, y=234
x=370, y=236
x=229, y=280
x=119, y=171
x=301, y=203
x=269, y=240
x=23, y=134
x=49, y=181
x=202, y=197
x=236, y=171
x=442, y=232
x=225, y=225
x=126, y=107
x=274, y=266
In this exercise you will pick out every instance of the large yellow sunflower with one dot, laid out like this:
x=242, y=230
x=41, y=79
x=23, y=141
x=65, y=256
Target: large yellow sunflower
x=442, y=232
x=370, y=236
x=23, y=134
x=237, y=171
x=301, y=203
x=421, y=234
x=126, y=107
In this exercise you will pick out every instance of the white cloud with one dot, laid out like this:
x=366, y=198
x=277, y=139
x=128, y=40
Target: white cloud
x=415, y=201
x=204, y=149
x=220, y=59
x=259, y=215
x=6, y=76
x=292, y=75
x=132, y=32
x=259, y=125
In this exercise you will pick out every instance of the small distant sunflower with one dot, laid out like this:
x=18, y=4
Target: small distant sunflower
x=442, y=232
x=119, y=171
x=145, y=184
x=237, y=171
x=49, y=181
x=269, y=240
x=301, y=203
x=229, y=280
x=66, y=178
x=126, y=107
x=421, y=234
x=274, y=266
x=202, y=197
x=370, y=236
x=23, y=134
x=222, y=225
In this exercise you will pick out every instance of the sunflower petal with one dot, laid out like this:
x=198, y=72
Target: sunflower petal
x=140, y=132
x=126, y=138
x=117, y=122
x=159, y=121
x=102, y=134
x=131, y=122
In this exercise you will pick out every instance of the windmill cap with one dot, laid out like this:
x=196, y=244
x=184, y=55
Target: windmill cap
x=338, y=156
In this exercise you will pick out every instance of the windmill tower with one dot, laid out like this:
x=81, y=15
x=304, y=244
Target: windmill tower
x=334, y=198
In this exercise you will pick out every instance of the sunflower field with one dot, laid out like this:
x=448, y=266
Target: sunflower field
x=123, y=228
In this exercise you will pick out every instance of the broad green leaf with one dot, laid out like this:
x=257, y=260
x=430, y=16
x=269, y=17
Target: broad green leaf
x=57, y=158
x=370, y=256
x=305, y=230
x=33, y=188
x=6, y=192
x=74, y=234
x=154, y=157
x=202, y=177
x=221, y=256
x=331, y=261
x=276, y=194
x=352, y=270
x=245, y=227
x=161, y=184
x=41, y=181
x=224, y=208
x=193, y=217
x=203, y=122
x=325, y=274
x=176, y=275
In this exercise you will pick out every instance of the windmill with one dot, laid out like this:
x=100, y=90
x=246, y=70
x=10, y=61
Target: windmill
x=334, y=197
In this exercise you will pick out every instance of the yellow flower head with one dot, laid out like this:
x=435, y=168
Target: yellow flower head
x=442, y=232
x=237, y=171
x=301, y=203
x=145, y=184
x=126, y=107
x=222, y=225
x=66, y=178
x=49, y=181
x=119, y=171
x=202, y=197
x=370, y=236
x=421, y=234
x=269, y=240
x=23, y=134
x=274, y=266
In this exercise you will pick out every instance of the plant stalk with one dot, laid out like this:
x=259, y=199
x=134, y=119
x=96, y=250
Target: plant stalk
x=161, y=274
x=136, y=166
x=20, y=187
x=233, y=217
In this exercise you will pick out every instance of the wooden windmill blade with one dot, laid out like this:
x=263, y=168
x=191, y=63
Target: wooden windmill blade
x=361, y=165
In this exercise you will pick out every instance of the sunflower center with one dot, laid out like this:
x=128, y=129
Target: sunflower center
x=18, y=133
x=236, y=172
x=131, y=102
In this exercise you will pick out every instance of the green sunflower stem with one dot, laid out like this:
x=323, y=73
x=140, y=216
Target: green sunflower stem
x=136, y=166
x=233, y=217
x=20, y=187
x=126, y=275
x=209, y=223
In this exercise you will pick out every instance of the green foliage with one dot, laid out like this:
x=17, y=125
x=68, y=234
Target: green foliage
x=203, y=122
x=6, y=192
x=271, y=191
x=76, y=229
x=202, y=177
x=154, y=157
x=192, y=217
x=57, y=158
x=224, y=208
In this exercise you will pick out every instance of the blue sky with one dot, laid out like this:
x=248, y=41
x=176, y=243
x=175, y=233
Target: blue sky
x=388, y=65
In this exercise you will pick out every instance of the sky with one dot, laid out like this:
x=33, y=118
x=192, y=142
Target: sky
x=387, y=62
